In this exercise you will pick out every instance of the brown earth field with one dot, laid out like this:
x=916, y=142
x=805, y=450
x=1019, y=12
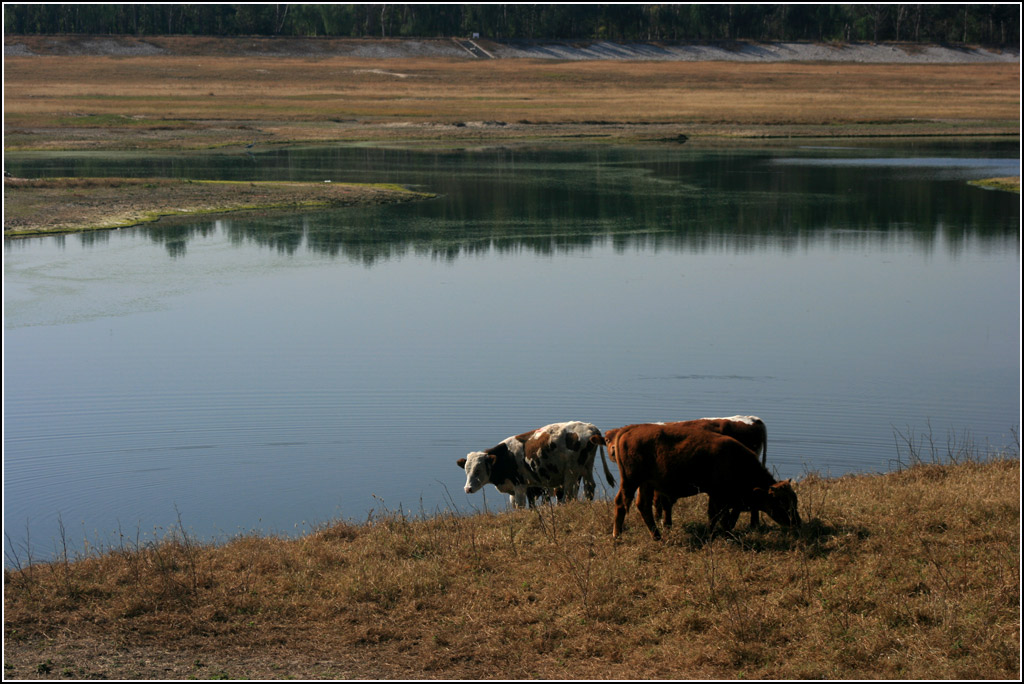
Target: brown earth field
x=208, y=94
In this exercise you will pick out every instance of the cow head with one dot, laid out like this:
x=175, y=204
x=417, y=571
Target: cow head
x=478, y=466
x=608, y=440
x=779, y=502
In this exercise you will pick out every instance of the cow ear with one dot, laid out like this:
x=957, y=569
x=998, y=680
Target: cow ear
x=493, y=458
x=462, y=463
x=597, y=439
x=525, y=437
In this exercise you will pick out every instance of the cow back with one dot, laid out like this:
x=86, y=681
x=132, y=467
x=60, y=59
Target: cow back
x=750, y=431
x=681, y=459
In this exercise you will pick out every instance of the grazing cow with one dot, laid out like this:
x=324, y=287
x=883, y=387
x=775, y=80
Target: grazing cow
x=749, y=431
x=550, y=459
x=680, y=459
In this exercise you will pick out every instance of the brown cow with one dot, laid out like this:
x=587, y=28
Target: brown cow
x=749, y=431
x=677, y=460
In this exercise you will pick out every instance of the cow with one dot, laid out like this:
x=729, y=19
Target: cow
x=749, y=431
x=550, y=459
x=681, y=459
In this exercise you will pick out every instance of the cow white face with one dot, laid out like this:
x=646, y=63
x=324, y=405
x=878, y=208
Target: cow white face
x=478, y=470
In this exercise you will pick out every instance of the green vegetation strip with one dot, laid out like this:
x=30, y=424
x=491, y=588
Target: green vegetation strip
x=1007, y=183
x=63, y=205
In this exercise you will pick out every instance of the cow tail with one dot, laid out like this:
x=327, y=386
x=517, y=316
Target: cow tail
x=607, y=473
x=764, y=444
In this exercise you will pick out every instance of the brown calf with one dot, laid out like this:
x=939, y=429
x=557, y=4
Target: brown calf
x=677, y=460
x=749, y=431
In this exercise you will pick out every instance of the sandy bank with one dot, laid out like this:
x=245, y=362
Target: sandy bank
x=575, y=50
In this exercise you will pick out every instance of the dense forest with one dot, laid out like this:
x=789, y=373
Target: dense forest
x=994, y=24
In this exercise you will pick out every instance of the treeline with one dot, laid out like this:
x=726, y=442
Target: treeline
x=988, y=24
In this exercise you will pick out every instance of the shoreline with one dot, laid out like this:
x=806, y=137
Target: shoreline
x=484, y=49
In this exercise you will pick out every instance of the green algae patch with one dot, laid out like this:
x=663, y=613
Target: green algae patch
x=66, y=205
x=1006, y=183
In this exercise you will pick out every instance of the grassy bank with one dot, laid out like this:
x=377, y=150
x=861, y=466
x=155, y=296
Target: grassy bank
x=1007, y=183
x=909, y=575
x=62, y=205
x=220, y=100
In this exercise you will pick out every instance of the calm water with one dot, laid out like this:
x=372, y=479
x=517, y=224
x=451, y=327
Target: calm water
x=275, y=372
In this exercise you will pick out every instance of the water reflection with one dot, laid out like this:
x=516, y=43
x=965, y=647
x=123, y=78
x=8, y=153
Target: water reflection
x=326, y=234
x=555, y=201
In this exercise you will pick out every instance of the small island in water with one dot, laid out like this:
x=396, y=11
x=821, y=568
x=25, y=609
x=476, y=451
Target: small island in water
x=65, y=205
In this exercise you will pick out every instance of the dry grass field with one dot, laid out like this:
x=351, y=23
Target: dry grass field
x=210, y=101
x=909, y=575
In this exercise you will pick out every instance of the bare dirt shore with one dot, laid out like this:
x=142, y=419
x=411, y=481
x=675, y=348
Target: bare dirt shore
x=483, y=49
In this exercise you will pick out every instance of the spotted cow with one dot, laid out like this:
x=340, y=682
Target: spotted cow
x=683, y=459
x=551, y=459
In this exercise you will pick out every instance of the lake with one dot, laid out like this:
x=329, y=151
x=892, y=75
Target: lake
x=273, y=372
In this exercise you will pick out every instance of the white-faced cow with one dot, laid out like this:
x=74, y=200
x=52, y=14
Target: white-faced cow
x=681, y=459
x=551, y=459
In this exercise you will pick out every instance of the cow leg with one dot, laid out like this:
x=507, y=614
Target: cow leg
x=622, y=500
x=587, y=463
x=720, y=513
x=729, y=519
x=519, y=498
x=643, y=504
x=662, y=508
x=666, y=506
x=754, y=519
x=572, y=486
